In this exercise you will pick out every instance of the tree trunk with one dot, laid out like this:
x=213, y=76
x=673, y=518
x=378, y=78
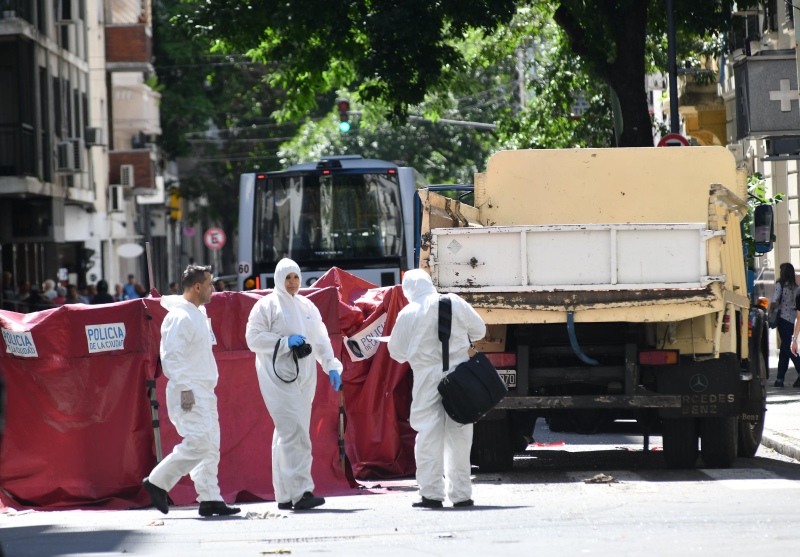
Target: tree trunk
x=621, y=64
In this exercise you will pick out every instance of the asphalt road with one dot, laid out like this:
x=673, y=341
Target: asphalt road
x=543, y=507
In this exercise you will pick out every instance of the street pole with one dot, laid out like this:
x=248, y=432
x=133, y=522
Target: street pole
x=674, y=117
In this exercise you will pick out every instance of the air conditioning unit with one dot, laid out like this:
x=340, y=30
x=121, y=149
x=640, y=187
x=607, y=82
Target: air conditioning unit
x=94, y=136
x=77, y=153
x=126, y=175
x=65, y=151
x=67, y=12
x=116, y=199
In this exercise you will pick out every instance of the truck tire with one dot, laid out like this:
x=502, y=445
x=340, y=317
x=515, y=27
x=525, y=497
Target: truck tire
x=559, y=422
x=718, y=441
x=680, y=442
x=750, y=432
x=491, y=446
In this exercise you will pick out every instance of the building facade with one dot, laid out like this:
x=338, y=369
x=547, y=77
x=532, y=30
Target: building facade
x=79, y=174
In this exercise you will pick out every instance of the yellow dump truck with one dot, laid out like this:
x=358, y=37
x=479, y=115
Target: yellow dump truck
x=613, y=284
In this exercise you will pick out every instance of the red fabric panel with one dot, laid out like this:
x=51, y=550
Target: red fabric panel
x=379, y=439
x=78, y=423
x=245, y=469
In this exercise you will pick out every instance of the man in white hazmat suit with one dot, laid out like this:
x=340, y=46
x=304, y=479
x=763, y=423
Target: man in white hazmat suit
x=442, y=445
x=189, y=365
x=282, y=326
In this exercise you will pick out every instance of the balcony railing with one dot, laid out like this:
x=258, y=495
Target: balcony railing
x=16, y=8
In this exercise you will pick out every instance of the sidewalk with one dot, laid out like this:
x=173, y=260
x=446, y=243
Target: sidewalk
x=782, y=423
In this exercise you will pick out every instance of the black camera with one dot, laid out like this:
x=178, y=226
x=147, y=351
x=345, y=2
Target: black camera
x=301, y=350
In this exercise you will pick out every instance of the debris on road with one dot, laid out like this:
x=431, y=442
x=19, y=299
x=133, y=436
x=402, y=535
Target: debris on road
x=601, y=479
x=266, y=514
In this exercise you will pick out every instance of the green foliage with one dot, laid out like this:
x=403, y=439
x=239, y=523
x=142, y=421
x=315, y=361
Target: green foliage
x=391, y=53
x=440, y=152
x=548, y=121
x=215, y=112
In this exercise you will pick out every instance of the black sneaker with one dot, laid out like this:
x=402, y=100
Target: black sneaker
x=778, y=384
x=211, y=508
x=157, y=496
x=465, y=503
x=427, y=503
x=285, y=506
x=308, y=501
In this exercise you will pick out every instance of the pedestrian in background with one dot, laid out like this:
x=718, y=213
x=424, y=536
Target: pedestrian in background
x=129, y=290
x=442, y=445
x=49, y=290
x=102, y=296
x=84, y=295
x=9, y=292
x=141, y=291
x=784, y=297
x=191, y=370
x=61, y=295
x=285, y=328
x=173, y=287
x=119, y=295
x=72, y=295
x=219, y=285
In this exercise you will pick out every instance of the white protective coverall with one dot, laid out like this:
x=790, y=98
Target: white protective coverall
x=189, y=364
x=272, y=320
x=442, y=446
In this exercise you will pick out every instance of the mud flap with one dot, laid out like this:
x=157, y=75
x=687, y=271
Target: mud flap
x=707, y=389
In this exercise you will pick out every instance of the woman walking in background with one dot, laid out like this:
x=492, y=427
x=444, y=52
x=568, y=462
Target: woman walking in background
x=784, y=298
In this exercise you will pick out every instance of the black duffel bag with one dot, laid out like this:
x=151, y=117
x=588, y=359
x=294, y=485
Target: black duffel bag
x=474, y=387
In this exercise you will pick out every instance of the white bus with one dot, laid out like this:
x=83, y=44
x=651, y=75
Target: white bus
x=341, y=211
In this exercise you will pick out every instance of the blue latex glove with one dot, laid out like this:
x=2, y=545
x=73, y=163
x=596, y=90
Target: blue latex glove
x=336, y=379
x=296, y=340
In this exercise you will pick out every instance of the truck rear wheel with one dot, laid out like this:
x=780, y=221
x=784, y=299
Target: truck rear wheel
x=680, y=442
x=718, y=441
x=750, y=432
x=491, y=446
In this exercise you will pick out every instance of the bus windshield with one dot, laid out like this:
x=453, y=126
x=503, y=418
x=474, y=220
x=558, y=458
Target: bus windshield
x=313, y=217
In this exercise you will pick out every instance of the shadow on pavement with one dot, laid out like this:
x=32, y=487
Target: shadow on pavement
x=48, y=541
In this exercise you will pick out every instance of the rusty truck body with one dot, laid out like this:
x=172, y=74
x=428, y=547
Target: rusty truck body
x=613, y=284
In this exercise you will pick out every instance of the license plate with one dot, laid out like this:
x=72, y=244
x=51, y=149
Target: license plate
x=509, y=376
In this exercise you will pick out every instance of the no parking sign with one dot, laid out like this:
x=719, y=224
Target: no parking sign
x=214, y=238
x=673, y=140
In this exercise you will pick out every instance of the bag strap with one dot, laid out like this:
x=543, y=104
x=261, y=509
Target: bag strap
x=275, y=371
x=445, y=321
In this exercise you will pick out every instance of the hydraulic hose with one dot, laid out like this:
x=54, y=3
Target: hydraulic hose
x=573, y=340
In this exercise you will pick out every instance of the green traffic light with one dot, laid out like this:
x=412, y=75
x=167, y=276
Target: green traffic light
x=344, y=127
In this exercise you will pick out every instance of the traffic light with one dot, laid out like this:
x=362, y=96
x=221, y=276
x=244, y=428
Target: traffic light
x=344, y=115
x=174, y=204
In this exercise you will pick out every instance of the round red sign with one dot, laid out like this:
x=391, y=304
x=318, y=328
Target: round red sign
x=214, y=238
x=673, y=140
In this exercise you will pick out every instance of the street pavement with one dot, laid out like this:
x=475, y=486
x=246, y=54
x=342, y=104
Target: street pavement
x=782, y=423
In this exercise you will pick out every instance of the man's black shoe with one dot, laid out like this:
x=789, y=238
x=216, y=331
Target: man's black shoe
x=285, y=506
x=211, y=508
x=428, y=503
x=465, y=503
x=157, y=496
x=308, y=501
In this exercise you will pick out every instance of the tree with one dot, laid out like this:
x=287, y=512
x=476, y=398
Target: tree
x=216, y=117
x=393, y=53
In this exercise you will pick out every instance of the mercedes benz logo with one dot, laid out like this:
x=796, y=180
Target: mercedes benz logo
x=698, y=383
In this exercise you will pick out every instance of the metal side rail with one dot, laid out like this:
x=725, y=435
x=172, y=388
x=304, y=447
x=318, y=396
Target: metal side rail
x=642, y=399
